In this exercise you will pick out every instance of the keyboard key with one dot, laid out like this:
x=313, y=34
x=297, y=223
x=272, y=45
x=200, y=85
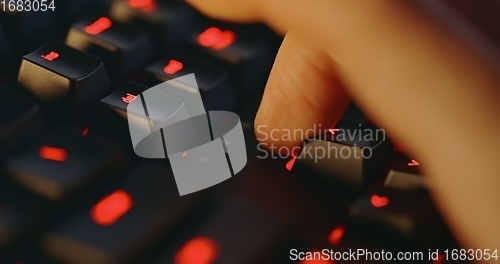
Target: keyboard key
x=249, y=51
x=213, y=81
x=28, y=30
x=21, y=212
x=394, y=216
x=352, y=154
x=65, y=164
x=123, y=223
x=121, y=97
x=168, y=21
x=238, y=232
x=22, y=125
x=62, y=78
x=123, y=49
x=404, y=173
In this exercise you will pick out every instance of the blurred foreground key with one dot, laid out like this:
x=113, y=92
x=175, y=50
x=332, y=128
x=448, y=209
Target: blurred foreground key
x=239, y=232
x=167, y=21
x=124, y=222
x=65, y=164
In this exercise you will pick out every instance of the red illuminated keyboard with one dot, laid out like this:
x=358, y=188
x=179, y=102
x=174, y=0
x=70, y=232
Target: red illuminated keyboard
x=72, y=189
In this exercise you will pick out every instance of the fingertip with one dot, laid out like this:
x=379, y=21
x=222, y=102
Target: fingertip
x=232, y=10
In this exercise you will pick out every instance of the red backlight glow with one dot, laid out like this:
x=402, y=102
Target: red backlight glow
x=54, y=154
x=144, y=5
x=51, y=56
x=379, y=201
x=216, y=38
x=336, y=235
x=199, y=250
x=111, y=208
x=99, y=26
x=289, y=164
x=173, y=67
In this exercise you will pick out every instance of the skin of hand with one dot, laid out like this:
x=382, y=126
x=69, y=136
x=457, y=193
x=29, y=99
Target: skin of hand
x=413, y=67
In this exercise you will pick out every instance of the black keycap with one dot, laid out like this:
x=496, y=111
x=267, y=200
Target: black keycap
x=248, y=50
x=27, y=30
x=123, y=49
x=121, y=97
x=392, y=216
x=63, y=78
x=238, y=232
x=124, y=222
x=168, y=21
x=65, y=164
x=213, y=81
x=352, y=154
x=21, y=212
x=403, y=173
x=20, y=121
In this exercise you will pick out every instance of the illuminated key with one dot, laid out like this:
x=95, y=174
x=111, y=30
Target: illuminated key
x=351, y=154
x=123, y=49
x=245, y=50
x=124, y=95
x=63, y=79
x=404, y=174
x=111, y=208
x=213, y=81
x=124, y=222
x=65, y=164
x=219, y=238
x=394, y=217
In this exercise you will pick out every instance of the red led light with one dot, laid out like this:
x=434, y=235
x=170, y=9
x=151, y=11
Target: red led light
x=98, y=26
x=199, y=250
x=54, y=154
x=216, y=39
x=173, y=67
x=111, y=208
x=129, y=98
x=289, y=164
x=51, y=56
x=336, y=235
x=379, y=201
x=144, y=5
x=413, y=163
x=184, y=154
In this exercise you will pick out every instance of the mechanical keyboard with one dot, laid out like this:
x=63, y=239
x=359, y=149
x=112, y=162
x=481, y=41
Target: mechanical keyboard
x=72, y=189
